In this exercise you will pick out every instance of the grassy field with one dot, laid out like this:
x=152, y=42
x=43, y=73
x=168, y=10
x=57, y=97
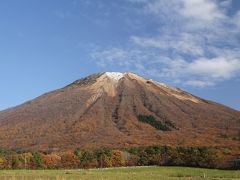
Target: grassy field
x=142, y=173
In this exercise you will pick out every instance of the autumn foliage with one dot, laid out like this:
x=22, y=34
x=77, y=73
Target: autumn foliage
x=101, y=158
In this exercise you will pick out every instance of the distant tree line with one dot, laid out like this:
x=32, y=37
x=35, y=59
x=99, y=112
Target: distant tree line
x=101, y=158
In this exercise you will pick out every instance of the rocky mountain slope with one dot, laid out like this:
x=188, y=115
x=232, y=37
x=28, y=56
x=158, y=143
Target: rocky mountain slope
x=118, y=110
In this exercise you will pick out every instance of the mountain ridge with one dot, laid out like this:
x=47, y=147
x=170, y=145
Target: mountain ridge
x=115, y=110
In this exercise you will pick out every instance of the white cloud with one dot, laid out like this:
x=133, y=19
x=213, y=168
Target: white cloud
x=217, y=68
x=206, y=71
x=203, y=10
x=196, y=43
x=206, y=10
x=184, y=43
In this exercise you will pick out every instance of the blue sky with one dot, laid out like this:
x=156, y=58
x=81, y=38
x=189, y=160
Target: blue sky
x=190, y=44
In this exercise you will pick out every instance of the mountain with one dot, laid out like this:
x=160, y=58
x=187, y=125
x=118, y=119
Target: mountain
x=118, y=110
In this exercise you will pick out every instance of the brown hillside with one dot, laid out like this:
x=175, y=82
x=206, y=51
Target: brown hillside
x=108, y=109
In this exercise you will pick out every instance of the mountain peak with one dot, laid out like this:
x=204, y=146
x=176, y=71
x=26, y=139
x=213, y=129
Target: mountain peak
x=117, y=110
x=115, y=75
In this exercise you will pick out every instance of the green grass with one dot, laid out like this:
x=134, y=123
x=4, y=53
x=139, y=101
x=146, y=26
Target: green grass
x=142, y=173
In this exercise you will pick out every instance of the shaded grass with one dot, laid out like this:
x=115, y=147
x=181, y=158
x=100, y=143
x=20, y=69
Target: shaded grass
x=141, y=173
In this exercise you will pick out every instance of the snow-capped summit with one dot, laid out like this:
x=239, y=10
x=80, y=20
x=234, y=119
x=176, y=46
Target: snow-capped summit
x=115, y=75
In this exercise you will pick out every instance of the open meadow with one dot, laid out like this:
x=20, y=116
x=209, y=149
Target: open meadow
x=140, y=173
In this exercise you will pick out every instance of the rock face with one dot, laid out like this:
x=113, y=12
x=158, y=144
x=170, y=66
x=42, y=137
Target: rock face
x=117, y=110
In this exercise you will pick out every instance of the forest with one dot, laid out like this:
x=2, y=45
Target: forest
x=103, y=157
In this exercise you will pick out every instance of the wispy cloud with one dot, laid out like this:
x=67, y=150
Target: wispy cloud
x=195, y=43
x=184, y=43
x=205, y=10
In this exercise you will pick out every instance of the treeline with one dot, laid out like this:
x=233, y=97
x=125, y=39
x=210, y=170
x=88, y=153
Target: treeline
x=101, y=158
